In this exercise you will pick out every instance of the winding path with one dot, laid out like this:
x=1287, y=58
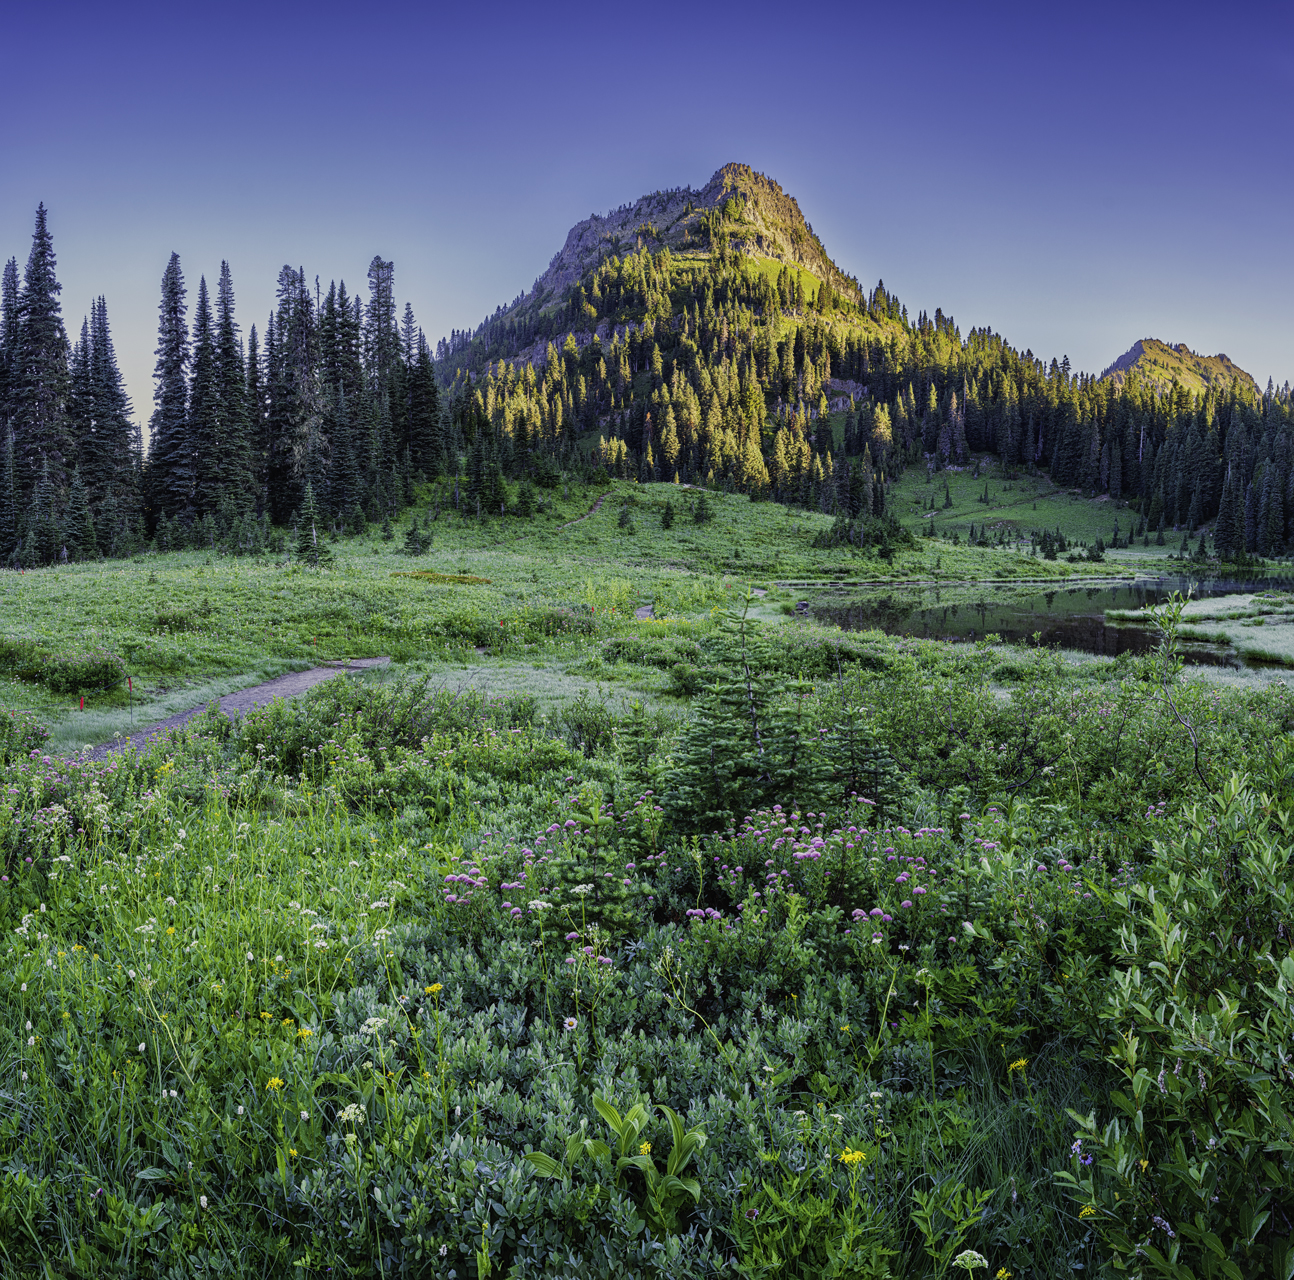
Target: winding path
x=240, y=701
x=590, y=512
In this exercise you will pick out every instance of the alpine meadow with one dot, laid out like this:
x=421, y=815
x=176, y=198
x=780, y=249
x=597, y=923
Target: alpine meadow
x=681, y=848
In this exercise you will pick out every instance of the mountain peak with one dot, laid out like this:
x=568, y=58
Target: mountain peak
x=748, y=210
x=1163, y=364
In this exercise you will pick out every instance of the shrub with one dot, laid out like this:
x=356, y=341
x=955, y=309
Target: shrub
x=20, y=735
x=83, y=673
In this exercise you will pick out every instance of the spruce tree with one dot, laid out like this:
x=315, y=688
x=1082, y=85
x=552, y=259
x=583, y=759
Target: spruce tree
x=9, y=500
x=170, y=458
x=43, y=532
x=203, y=408
x=413, y=545
x=312, y=547
x=78, y=522
x=233, y=426
x=111, y=452
x=426, y=444
x=42, y=434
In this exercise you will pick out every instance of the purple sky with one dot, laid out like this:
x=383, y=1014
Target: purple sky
x=1076, y=182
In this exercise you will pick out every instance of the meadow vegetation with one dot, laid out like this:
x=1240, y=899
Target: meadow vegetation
x=583, y=944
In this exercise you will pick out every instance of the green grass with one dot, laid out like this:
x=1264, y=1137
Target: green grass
x=1257, y=626
x=190, y=626
x=1017, y=507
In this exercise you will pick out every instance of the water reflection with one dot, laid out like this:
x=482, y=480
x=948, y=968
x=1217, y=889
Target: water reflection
x=1068, y=617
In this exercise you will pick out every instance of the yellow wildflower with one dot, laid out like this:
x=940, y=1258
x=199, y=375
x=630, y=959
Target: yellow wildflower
x=275, y=1083
x=1145, y=1164
x=851, y=1157
x=304, y=1034
x=1018, y=1065
x=644, y=1148
x=266, y=1016
x=1087, y=1211
x=434, y=988
x=1003, y=1274
x=292, y=1151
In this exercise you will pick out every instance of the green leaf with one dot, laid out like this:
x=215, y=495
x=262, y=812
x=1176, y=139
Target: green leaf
x=544, y=1165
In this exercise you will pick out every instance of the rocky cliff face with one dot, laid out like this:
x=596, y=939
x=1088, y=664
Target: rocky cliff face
x=751, y=212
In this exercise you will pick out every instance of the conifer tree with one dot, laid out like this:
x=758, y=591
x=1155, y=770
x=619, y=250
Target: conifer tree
x=9, y=499
x=312, y=547
x=78, y=523
x=425, y=439
x=203, y=408
x=413, y=545
x=233, y=445
x=39, y=373
x=170, y=460
x=43, y=533
x=111, y=457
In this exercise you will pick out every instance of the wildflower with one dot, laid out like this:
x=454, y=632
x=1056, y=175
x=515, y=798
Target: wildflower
x=851, y=1157
x=434, y=988
x=1002, y=1274
x=275, y=1083
x=644, y=1148
x=304, y=1034
x=353, y=1113
x=266, y=1015
x=570, y=1024
x=1018, y=1065
x=240, y=1110
x=1087, y=1211
x=969, y=1260
x=1145, y=1164
x=305, y=1115
x=292, y=1151
x=202, y=1200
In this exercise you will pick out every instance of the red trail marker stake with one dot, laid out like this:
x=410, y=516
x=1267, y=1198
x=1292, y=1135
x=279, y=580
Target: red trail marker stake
x=83, y=702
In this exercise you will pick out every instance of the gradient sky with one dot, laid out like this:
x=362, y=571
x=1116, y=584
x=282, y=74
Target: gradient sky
x=1075, y=177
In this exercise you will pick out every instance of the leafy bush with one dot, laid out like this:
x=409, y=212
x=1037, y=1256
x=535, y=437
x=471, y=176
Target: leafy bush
x=20, y=735
x=78, y=673
x=82, y=673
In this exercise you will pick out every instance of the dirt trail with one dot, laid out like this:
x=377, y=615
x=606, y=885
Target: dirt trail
x=591, y=511
x=243, y=700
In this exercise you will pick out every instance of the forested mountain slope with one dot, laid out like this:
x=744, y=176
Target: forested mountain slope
x=704, y=349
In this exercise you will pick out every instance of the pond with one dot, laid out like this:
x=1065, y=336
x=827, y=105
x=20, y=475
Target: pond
x=1066, y=615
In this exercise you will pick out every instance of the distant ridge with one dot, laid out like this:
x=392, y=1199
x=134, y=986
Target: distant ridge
x=1161, y=365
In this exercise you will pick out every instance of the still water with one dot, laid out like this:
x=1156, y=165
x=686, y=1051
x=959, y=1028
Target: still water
x=1068, y=616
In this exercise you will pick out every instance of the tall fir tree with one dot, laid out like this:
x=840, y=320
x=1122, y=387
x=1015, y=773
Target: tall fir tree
x=111, y=453
x=42, y=431
x=9, y=500
x=204, y=409
x=170, y=457
x=9, y=293
x=233, y=427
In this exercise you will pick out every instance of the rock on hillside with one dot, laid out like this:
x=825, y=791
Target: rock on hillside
x=1161, y=364
x=751, y=211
